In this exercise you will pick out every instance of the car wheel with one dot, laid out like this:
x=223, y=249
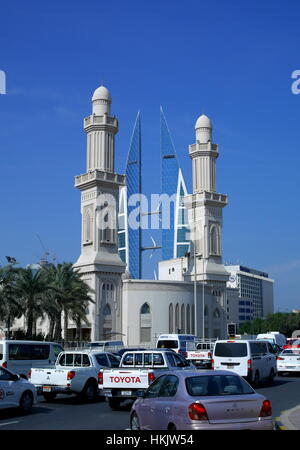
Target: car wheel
x=271, y=377
x=26, y=402
x=49, y=396
x=134, y=422
x=114, y=403
x=89, y=392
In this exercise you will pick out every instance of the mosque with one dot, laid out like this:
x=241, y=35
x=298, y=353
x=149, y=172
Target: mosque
x=194, y=293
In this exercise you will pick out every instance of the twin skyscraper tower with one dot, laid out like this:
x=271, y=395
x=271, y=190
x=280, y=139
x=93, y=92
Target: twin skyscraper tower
x=174, y=236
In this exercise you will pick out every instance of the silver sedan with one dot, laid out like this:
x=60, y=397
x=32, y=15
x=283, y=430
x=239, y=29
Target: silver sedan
x=190, y=400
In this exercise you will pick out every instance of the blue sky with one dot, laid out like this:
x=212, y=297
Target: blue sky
x=233, y=60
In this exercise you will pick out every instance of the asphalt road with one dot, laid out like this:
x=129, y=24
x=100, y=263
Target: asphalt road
x=68, y=413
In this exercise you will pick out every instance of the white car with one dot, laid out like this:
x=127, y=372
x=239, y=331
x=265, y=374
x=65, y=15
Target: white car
x=16, y=392
x=288, y=361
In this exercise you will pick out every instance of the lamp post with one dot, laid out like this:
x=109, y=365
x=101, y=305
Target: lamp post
x=195, y=273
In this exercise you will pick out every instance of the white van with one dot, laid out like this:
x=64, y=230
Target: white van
x=20, y=356
x=176, y=342
x=274, y=337
x=251, y=359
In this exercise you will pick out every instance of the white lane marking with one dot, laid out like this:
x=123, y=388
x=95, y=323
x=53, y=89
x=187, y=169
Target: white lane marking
x=9, y=423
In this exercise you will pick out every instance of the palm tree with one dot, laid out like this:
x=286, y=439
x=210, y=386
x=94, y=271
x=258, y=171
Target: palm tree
x=10, y=307
x=31, y=285
x=70, y=294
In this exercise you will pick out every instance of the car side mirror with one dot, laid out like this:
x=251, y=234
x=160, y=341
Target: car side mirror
x=15, y=377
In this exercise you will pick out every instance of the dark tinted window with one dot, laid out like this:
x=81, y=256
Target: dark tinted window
x=19, y=351
x=169, y=387
x=171, y=360
x=114, y=361
x=158, y=359
x=102, y=360
x=255, y=348
x=231, y=349
x=4, y=376
x=40, y=351
x=167, y=344
x=154, y=389
x=85, y=360
x=217, y=385
x=128, y=359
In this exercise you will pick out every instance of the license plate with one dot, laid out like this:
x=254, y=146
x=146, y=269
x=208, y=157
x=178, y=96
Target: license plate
x=46, y=388
x=125, y=392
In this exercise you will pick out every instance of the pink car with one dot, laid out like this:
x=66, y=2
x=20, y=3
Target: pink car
x=206, y=400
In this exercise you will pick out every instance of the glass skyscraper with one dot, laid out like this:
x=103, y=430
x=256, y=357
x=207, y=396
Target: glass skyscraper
x=174, y=240
x=130, y=238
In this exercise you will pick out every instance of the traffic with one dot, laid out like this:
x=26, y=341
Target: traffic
x=184, y=383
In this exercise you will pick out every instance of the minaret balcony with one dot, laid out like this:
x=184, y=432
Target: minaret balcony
x=96, y=177
x=93, y=122
x=203, y=149
x=205, y=198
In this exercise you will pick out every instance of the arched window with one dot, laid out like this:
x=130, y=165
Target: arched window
x=182, y=318
x=88, y=226
x=145, y=309
x=193, y=320
x=176, y=318
x=188, y=319
x=206, y=310
x=145, y=323
x=107, y=310
x=214, y=240
x=171, y=318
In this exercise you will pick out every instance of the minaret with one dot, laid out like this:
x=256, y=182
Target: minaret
x=99, y=261
x=205, y=208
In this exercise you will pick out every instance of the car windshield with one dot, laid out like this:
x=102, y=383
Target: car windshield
x=231, y=349
x=167, y=343
x=215, y=385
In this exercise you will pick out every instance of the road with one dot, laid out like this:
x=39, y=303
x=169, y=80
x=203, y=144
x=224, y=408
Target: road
x=68, y=413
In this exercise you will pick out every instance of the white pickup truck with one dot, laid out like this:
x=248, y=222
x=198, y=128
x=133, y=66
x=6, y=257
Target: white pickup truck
x=200, y=353
x=74, y=372
x=136, y=372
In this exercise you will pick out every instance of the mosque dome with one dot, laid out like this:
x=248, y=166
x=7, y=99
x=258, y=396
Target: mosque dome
x=101, y=93
x=203, y=122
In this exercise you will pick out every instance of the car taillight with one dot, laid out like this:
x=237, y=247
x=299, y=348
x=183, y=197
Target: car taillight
x=279, y=358
x=209, y=354
x=249, y=364
x=29, y=374
x=212, y=363
x=71, y=374
x=151, y=377
x=100, y=378
x=4, y=365
x=197, y=412
x=266, y=409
